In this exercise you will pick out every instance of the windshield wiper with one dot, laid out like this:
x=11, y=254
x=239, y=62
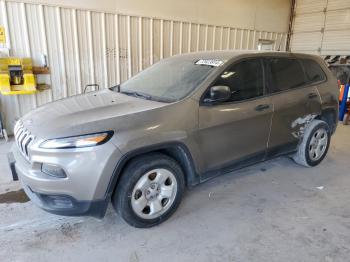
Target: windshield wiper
x=115, y=88
x=137, y=94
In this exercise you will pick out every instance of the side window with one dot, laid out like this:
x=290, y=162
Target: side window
x=286, y=73
x=314, y=72
x=245, y=79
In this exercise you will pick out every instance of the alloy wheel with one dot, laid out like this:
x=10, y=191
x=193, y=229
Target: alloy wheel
x=318, y=144
x=154, y=193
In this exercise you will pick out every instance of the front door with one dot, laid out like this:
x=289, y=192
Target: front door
x=238, y=129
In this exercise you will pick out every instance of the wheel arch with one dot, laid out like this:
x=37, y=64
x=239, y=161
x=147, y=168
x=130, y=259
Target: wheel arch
x=330, y=116
x=175, y=150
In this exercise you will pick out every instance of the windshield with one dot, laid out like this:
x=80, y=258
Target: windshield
x=167, y=81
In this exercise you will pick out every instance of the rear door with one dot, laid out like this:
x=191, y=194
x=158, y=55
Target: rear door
x=295, y=99
x=236, y=130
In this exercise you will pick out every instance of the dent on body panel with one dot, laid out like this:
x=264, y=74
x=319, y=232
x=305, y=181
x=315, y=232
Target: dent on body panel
x=314, y=107
x=299, y=125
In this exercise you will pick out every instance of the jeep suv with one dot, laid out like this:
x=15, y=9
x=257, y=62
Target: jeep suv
x=174, y=125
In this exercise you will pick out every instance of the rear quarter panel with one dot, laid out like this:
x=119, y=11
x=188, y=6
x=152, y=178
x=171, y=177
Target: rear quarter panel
x=329, y=90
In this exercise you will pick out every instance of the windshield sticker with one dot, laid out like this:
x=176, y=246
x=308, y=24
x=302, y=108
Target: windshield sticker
x=210, y=62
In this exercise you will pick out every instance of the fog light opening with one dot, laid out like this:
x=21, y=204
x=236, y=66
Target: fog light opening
x=62, y=202
x=53, y=170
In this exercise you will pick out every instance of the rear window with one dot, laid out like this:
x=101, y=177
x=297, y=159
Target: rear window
x=313, y=71
x=286, y=73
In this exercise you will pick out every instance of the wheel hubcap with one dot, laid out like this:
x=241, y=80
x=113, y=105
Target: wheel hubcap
x=318, y=144
x=154, y=193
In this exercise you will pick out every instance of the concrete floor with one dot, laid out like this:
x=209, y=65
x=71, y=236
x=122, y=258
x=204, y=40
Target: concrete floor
x=273, y=211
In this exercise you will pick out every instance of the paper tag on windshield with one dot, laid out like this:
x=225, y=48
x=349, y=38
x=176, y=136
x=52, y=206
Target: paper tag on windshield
x=210, y=62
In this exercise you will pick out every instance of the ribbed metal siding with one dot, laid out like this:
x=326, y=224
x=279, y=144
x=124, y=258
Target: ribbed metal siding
x=309, y=22
x=322, y=27
x=310, y=6
x=338, y=4
x=85, y=47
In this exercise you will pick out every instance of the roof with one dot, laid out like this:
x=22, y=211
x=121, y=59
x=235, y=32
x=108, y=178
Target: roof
x=229, y=54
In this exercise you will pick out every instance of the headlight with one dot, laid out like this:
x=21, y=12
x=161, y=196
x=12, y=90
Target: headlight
x=77, y=141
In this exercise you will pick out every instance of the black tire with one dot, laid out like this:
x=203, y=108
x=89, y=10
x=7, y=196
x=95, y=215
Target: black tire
x=302, y=156
x=133, y=172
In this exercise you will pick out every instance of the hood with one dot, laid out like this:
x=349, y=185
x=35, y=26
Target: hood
x=82, y=114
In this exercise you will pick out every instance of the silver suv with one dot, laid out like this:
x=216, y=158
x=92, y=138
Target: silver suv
x=176, y=124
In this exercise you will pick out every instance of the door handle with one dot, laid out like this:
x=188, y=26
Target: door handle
x=311, y=95
x=262, y=107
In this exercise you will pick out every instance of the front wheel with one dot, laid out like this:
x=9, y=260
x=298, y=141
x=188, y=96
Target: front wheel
x=150, y=190
x=314, y=145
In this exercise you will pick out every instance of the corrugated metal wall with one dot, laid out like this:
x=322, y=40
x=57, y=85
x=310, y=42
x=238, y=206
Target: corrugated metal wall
x=85, y=47
x=322, y=27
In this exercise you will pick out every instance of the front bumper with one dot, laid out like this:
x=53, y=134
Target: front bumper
x=67, y=205
x=12, y=163
x=81, y=193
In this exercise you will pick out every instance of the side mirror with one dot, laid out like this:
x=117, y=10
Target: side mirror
x=219, y=94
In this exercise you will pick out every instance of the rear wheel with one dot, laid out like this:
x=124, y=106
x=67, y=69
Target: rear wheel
x=150, y=190
x=314, y=145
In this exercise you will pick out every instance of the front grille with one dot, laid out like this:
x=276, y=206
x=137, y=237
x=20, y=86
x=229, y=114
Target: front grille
x=23, y=138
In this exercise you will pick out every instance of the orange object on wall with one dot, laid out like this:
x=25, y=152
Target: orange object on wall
x=341, y=92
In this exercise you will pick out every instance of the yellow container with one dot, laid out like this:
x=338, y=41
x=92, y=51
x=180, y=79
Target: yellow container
x=24, y=65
